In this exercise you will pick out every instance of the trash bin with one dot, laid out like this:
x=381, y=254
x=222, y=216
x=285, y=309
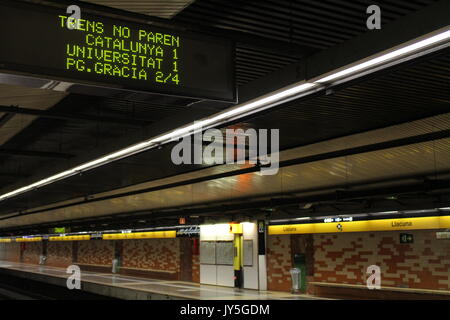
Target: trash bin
x=295, y=277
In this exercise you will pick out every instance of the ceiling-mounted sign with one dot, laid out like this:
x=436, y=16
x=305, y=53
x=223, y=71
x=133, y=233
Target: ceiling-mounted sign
x=189, y=232
x=60, y=230
x=46, y=42
x=96, y=236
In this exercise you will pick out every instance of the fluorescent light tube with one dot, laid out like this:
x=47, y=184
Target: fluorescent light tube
x=239, y=111
x=388, y=57
x=385, y=212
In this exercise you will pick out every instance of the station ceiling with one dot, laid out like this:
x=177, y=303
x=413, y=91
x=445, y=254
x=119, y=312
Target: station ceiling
x=269, y=35
x=158, y=8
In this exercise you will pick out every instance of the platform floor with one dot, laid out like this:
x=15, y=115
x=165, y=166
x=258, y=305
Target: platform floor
x=174, y=289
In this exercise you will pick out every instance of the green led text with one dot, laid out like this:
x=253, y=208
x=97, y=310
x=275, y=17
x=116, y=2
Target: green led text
x=121, y=52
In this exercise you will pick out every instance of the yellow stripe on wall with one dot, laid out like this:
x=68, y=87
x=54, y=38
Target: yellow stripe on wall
x=141, y=235
x=35, y=239
x=439, y=222
x=70, y=238
x=5, y=240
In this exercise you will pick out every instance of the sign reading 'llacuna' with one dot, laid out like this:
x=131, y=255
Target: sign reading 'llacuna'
x=437, y=222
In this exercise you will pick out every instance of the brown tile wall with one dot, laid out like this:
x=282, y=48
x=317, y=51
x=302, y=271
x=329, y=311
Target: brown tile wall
x=59, y=253
x=279, y=263
x=195, y=268
x=11, y=251
x=344, y=258
x=32, y=252
x=154, y=254
x=98, y=252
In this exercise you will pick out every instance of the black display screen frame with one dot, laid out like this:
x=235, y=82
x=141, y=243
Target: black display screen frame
x=228, y=92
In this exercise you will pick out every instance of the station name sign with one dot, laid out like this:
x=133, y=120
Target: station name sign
x=189, y=232
x=46, y=42
x=431, y=222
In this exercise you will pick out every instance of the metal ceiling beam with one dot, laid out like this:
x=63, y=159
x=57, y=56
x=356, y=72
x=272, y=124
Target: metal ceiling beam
x=5, y=118
x=243, y=207
x=302, y=160
x=412, y=26
x=71, y=116
x=32, y=153
x=14, y=175
x=257, y=42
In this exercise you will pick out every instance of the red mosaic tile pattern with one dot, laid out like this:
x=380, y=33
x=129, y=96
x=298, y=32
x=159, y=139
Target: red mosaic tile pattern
x=195, y=268
x=153, y=254
x=59, y=254
x=98, y=252
x=11, y=252
x=279, y=263
x=344, y=258
x=32, y=252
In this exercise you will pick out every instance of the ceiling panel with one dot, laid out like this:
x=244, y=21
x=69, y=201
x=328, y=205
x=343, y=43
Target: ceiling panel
x=158, y=8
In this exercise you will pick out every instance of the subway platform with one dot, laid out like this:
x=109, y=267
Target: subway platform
x=135, y=288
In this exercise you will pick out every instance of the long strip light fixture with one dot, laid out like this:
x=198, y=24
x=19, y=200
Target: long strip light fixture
x=388, y=214
x=424, y=45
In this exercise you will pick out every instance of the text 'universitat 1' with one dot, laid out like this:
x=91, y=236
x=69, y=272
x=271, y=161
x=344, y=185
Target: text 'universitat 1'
x=225, y=159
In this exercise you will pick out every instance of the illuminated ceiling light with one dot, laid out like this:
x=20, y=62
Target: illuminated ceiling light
x=290, y=220
x=280, y=220
x=359, y=215
x=420, y=211
x=263, y=101
x=259, y=104
x=388, y=57
x=238, y=111
x=385, y=212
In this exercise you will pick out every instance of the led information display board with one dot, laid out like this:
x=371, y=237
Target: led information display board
x=47, y=42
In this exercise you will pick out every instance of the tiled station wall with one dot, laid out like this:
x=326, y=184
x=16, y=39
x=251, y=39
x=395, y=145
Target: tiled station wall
x=13, y=251
x=344, y=258
x=146, y=254
x=95, y=252
x=195, y=267
x=279, y=262
x=59, y=254
x=152, y=254
x=32, y=252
